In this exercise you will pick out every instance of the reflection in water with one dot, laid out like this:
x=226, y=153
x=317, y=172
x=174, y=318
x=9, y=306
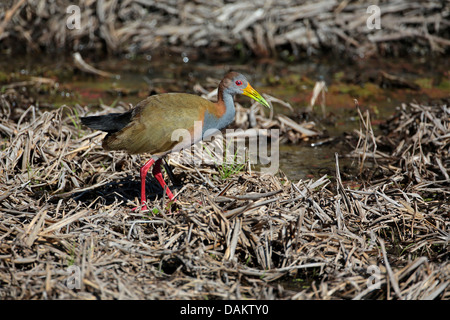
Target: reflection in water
x=304, y=162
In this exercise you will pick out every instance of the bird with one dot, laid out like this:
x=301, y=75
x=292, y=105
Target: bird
x=148, y=127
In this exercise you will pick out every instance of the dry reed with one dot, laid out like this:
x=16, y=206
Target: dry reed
x=65, y=204
x=263, y=27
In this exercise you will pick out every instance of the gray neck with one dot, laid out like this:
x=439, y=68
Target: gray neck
x=212, y=122
x=230, y=112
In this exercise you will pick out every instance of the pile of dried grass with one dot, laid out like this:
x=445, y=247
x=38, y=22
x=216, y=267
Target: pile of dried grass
x=413, y=150
x=266, y=28
x=66, y=207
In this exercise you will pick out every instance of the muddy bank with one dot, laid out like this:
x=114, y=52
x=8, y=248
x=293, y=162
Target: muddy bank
x=284, y=29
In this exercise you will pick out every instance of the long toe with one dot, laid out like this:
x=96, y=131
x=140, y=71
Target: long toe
x=142, y=208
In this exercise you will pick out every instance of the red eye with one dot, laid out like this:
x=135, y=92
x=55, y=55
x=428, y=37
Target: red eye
x=238, y=82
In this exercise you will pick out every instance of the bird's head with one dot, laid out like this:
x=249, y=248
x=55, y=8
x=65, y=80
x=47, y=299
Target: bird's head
x=236, y=83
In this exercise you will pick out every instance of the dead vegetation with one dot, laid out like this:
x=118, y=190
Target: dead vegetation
x=265, y=28
x=65, y=215
x=66, y=226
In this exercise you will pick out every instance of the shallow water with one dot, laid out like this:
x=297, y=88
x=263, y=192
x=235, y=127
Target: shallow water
x=291, y=82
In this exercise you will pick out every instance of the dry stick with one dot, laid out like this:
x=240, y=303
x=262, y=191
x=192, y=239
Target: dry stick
x=392, y=277
x=69, y=193
x=83, y=66
x=163, y=222
x=442, y=168
x=254, y=272
x=229, y=253
x=249, y=196
x=361, y=120
x=400, y=275
x=34, y=227
x=8, y=16
x=297, y=127
x=436, y=292
x=340, y=186
x=319, y=88
x=65, y=222
x=250, y=206
x=207, y=181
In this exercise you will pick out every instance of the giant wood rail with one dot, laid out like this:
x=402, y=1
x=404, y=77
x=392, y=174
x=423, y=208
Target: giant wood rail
x=148, y=127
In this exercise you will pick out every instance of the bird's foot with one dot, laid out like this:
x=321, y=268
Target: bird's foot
x=142, y=208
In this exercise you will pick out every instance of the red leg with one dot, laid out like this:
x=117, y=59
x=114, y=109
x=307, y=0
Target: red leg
x=143, y=171
x=158, y=175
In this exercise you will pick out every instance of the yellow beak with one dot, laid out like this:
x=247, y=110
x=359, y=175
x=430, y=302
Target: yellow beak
x=252, y=93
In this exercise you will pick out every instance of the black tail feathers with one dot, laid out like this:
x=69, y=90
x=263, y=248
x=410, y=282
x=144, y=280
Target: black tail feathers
x=110, y=123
